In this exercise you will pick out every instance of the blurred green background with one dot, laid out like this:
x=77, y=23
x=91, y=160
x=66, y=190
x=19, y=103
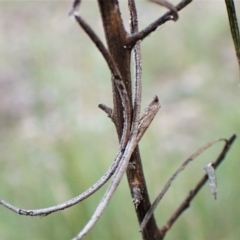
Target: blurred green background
x=55, y=142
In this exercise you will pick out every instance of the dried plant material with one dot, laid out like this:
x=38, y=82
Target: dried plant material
x=75, y=7
x=169, y=6
x=125, y=114
x=233, y=22
x=173, y=177
x=212, y=180
x=186, y=203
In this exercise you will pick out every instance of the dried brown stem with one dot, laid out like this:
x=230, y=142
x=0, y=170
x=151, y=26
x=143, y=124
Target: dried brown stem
x=153, y=26
x=186, y=203
x=116, y=37
x=106, y=109
x=135, y=174
x=173, y=177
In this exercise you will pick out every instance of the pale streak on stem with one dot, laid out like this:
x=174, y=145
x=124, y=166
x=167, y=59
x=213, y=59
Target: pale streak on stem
x=168, y=184
x=137, y=65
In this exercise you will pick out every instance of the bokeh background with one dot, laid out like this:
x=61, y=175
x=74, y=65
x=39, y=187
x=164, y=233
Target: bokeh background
x=55, y=142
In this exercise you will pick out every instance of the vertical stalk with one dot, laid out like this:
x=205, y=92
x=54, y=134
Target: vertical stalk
x=116, y=37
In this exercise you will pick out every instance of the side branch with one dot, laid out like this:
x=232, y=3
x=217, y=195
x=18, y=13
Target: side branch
x=169, y=6
x=153, y=26
x=180, y=169
x=107, y=110
x=186, y=203
x=99, y=44
x=116, y=76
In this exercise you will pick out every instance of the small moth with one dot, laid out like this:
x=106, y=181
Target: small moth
x=212, y=180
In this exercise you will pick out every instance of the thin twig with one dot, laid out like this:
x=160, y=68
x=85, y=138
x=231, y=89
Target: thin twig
x=153, y=26
x=116, y=76
x=100, y=46
x=233, y=22
x=75, y=7
x=147, y=117
x=169, y=6
x=107, y=110
x=169, y=182
x=71, y=202
x=119, y=172
x=186, y=203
